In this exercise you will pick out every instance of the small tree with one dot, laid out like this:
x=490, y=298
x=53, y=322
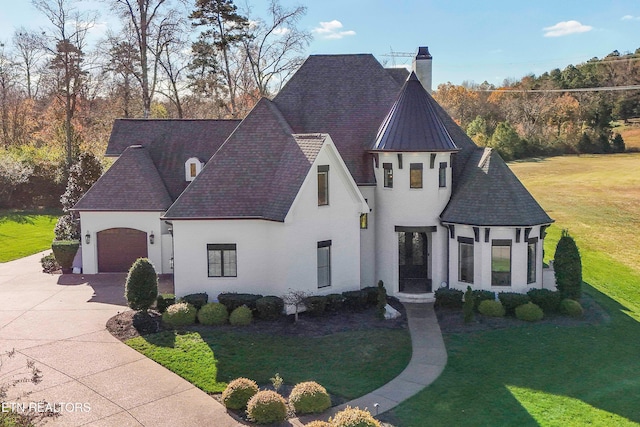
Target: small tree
x=618, y=144
x=296, y=299
x=468, y=305
x=382, y=299
x=568, y=267
x=141, y=288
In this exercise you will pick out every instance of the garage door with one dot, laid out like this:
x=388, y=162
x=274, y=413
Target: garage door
x=118, y=248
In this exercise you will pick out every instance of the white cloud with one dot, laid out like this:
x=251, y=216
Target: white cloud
x=281, y=31
x=630, y=18
x=565, y=28
x=332, y=30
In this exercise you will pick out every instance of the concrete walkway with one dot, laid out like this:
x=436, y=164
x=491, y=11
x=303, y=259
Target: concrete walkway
x=428, y=359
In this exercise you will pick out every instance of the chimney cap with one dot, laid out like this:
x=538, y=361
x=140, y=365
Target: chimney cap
x=423, y=53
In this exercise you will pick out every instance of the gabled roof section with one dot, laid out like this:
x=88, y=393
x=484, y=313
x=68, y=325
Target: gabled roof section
x=399, y=74
x=132, y=183
x=413, y=123
x=346, y=96
x=489, y=194
x=257, y=173
x=170, y=143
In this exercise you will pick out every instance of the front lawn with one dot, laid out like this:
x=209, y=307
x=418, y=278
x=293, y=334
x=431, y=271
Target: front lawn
x=348, y=364
x=25, y=233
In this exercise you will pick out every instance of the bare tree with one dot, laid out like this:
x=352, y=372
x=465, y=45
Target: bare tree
x=29, y=47
x=8, y=79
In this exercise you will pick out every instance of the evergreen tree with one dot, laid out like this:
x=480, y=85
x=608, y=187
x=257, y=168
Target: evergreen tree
x=141, y=287
x=618, y=144
x=506, y=140
x=568, y=267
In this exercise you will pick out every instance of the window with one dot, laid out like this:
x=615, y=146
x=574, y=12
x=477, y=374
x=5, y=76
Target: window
x=442, y=174
x=323, y=185
x=415, y=175
x=501, y=263
x=532, y=245
x=222, y=260
x=324, y=264
x=432, y=160
x=364, y=221
x=192, y=168
x=388, y=175
x=465, y=259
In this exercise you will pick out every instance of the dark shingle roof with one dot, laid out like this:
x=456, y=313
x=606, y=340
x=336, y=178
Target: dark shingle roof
x=171, y=143
x=399, y=74
x=489, y=194
x=257, y=173
x=132, y=183
x=413, y=123
x=346, y=96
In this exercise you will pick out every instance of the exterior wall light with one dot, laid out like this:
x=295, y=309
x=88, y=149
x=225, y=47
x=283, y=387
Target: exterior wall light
x=152, y=238
x=87, y=237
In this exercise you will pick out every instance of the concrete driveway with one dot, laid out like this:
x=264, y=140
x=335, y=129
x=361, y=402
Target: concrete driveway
x=59, y=323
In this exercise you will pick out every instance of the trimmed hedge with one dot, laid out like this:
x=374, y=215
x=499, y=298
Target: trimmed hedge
x=141, y=286
x=572, y=308
x=180, y=314
x=163, y=301
x=213, y=313
x=315, y=304
x=269, y=307
x=335, y=302
x=482, y=295
x=238, y=393
x=448, y=298
x=241, y=316
x=197, y=300
x=511, y=300
x=529, y=312
x=491, y=308
x=309, y=398
x=546, y=299
x=65, y=251
x=353, y=417
x=267, y=407
x=233, y=300
x=372, y=295
x=355, y=300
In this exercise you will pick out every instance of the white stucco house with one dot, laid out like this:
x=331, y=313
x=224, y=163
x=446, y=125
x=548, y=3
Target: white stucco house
x=351, y=174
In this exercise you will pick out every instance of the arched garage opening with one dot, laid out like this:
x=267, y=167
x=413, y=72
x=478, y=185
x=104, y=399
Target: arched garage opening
x=118, y=248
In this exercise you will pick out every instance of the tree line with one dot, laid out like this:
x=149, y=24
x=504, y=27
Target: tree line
x=59, y=94
x=533, y=116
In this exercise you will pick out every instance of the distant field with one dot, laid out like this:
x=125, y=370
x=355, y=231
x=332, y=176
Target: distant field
x=25, y=233
x=630, y=134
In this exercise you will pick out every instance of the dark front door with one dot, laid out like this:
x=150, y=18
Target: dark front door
x=118, y=248
x=414, y=263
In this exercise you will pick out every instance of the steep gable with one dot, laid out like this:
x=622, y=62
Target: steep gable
x=170, y=143
x=132, y=183
x=346, y=96
x=257, y=173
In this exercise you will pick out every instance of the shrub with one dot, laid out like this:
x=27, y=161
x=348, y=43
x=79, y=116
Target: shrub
x=382, y=300
x=482, y=295
x=64, y=252
x=335, y=302
x=568, y=267
x=49, y=264
x=491, y=308
x=267, y=407
x=448, y=298
x=141, y=287
x=180, y=314
x=468, y=306
x=371, y=293
x=309, y=398
x=163, y=301
x=315, y=304
x=238, y=393
x=511, y=300
x=269, y=307
x=572, y=308
x=355, y=300
x=546, y=299
x=241, y=316
x=529, y=312
x=353, y=417
x=213, y=313
x=318, y=423
x=197, y=300
x=233, y=300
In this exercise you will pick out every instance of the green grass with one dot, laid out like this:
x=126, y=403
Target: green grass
x=25, y=233
x=547, y=375
x=348, y=364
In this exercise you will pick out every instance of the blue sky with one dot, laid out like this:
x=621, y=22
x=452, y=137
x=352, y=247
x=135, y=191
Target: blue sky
x=469, y=40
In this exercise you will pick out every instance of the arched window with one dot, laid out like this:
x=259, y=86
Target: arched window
x=192, y=168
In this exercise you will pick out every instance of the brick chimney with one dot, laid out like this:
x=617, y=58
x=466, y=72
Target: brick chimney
x=422, y=67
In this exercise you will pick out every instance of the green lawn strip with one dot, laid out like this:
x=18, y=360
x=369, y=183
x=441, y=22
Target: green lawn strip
x=348, y=364
x=25, y=233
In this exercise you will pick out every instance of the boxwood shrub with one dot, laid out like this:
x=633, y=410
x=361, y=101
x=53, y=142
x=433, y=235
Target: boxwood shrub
x=353, y=417
x=491, y=308
x=482, y=295
x=511, y=300
x=335, y=302
x=315, y=304
x=309, y=398
x=269, y=307
x=213, y=313
x=572, y=308
x=196, y=300
x=529, y=312
x=355, y=300
x=448, y=298
x=267, y=407
x=317, y=423
x=180, y=314
x=165, y=300
x=372, y=295
x=238, y=393
x=546, y=299
x=234, y=300
x=241, y=316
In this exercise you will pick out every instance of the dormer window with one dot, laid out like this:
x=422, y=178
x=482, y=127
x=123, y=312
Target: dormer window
x=192, y=168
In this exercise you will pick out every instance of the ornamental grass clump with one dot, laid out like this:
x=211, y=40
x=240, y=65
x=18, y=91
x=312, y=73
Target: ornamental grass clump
x=180, y=314
x=491, y=308
x=309, y=398
x=241, y=316
x=267, y=407
x=353, y=417
x=238, y=393
x=529, y=312
x=213, y=313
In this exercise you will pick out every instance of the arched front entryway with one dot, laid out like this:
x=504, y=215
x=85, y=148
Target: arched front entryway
x=414, y=261
x=118, y=248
